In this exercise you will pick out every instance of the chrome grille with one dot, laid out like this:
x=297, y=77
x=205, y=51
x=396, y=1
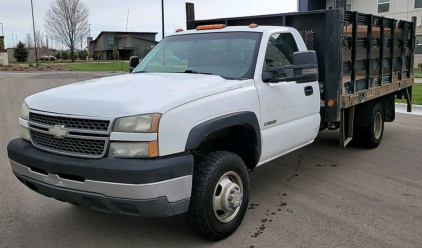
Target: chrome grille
x=85, y=147
x=75, y=123
x=81, y=137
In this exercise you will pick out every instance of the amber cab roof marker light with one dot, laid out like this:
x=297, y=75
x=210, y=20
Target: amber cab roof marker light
x=253, y=25
x=179, y=30
x=215, y=26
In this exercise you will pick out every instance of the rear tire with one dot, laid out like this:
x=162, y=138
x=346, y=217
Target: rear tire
x=220, y=195
x=371, y=136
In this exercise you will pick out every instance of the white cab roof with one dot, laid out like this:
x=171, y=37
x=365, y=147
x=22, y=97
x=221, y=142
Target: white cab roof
x=259, y=29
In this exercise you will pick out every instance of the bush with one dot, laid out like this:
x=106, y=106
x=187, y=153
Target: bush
x=420, y=66
x=21, y=53
x=82, y=55
x=58, y=56
x=65, y=56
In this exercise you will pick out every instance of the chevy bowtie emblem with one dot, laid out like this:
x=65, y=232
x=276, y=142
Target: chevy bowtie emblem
x=58, y=131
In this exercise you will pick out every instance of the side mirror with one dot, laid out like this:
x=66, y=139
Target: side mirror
x=305, y=67
x=133, y=63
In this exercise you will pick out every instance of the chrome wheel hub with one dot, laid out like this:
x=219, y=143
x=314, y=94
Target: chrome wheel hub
x=228, y=196
x=378, y=125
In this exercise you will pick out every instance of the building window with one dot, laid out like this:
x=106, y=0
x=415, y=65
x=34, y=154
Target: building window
x=110, y=41
x=349, y=7
x=418, y=4
x=418, y=49
x=383, y=6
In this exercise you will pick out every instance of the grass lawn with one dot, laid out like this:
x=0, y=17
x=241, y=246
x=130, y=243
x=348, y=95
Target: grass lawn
x=43, y=62
x=417, y=73
x=102, y=66
x=417, y=95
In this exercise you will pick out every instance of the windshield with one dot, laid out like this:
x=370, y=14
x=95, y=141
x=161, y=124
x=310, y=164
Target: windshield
x=229, y=55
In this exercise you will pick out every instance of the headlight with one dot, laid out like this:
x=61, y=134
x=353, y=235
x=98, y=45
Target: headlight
x=24, y=132
x=138, y=124
x=24, y=111
x=133, y=149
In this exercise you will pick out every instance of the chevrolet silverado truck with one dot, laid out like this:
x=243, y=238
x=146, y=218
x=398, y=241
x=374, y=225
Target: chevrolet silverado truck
x=182, y=132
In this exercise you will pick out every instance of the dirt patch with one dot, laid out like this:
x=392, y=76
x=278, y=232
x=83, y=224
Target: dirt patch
x=42, y=67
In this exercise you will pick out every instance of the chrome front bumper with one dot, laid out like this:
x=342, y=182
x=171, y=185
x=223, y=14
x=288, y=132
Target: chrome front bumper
x=174, y=189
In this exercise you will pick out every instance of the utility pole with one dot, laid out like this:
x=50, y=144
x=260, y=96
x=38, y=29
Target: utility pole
x=2, y=33
x=89, y=30
x=162, y=15
x=13, y=40
x=33, y=25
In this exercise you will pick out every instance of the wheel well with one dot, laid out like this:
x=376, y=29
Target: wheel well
x=239, y=139
x=363, y=111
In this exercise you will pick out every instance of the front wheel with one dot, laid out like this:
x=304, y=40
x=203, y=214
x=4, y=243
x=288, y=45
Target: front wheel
x=220, y=195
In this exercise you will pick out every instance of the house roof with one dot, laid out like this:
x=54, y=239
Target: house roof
x=122, y=33
x=123, y=36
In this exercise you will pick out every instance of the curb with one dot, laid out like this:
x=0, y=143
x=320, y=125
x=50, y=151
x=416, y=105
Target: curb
x=402, y=108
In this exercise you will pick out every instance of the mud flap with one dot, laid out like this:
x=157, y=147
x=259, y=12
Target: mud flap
x=346, y=126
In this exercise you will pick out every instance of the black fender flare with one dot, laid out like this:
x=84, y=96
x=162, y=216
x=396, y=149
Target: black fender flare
x=201, y=131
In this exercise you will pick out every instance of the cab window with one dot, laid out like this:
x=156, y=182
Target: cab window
x=280, y=49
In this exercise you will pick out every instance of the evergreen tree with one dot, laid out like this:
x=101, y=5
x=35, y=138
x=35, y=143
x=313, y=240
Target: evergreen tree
x=65, y=56
x=58, y=55
x=21, y=53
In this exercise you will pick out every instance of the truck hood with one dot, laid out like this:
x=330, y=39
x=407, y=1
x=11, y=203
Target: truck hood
x=130, y=94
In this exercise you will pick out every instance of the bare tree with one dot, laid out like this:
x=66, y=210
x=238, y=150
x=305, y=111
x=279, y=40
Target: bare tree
x=115, y=53
x=29, y=41
x=68, y=21
x=98, y=50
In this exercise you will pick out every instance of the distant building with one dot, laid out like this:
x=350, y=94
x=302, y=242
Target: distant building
x=127, y=43
x=3, y=55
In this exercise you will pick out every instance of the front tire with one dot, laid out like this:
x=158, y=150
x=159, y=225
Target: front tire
x=220, y=195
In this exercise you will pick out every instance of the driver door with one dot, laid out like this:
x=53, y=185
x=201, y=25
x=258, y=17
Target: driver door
x=289, y=114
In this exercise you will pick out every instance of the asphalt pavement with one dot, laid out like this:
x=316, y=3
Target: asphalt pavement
x=319, y=196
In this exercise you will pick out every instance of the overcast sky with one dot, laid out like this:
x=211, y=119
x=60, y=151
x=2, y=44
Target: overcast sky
x=144, y=15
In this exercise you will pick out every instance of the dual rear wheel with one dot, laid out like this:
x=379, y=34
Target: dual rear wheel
x=370, y=136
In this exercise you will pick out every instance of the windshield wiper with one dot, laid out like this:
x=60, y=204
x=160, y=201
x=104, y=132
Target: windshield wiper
x=196, y=72
x=139, y=72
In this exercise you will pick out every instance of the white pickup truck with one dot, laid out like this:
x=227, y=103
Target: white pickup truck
x=202, y=110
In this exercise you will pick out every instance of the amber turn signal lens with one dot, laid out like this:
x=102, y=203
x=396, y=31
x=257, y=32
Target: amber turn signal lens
x=215, y=26
x=253, y=25
x=153, y=149
x=155, y=123
x=179, y=30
